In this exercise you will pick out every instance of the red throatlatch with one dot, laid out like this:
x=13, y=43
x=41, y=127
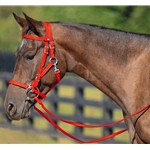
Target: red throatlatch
x=50, y=49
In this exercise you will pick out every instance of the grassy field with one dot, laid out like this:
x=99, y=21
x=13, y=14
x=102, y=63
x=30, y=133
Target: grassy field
x=8, y=136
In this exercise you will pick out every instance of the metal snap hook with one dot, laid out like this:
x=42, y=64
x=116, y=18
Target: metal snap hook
x=56, y=69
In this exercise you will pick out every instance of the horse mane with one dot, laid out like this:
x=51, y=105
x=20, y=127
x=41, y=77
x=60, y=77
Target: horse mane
x=26, y=29
x=100, y=27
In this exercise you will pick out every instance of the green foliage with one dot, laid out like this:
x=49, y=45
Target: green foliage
x=130, y=18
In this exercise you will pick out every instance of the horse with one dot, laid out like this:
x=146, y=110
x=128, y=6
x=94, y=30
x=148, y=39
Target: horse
x=114, y=61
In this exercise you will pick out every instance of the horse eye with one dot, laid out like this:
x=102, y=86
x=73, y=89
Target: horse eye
x=29, y=57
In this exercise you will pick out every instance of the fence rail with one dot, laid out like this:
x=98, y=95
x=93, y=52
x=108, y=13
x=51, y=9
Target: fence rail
x=78, y=104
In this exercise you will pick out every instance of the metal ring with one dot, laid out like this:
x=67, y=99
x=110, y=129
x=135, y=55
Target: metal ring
x=54, y=59
x=30, y=90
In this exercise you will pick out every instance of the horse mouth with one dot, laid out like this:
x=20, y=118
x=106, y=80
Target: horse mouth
x=26, y=112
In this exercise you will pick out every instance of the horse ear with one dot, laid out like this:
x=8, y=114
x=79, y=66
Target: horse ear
x=22, y=22
x=34, y=25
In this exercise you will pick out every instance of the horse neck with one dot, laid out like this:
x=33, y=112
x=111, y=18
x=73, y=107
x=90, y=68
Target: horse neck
x=103, y=57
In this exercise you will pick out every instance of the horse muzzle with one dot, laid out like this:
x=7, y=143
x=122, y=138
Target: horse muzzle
x=16, y=114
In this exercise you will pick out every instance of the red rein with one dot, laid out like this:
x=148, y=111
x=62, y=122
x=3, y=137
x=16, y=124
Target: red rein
x=49, y=49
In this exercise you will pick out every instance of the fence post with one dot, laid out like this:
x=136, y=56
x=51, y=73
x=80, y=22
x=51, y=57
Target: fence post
x=107, y=117
x=54, y=108
x=79, y=111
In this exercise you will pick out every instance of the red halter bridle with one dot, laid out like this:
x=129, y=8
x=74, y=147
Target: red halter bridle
x=33, y=87
x=48, y=49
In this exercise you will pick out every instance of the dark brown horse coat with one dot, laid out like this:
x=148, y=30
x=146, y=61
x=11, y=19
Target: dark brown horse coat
x=114, y=61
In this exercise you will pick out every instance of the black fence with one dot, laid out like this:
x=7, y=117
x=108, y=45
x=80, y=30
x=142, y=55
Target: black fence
x=72, y=99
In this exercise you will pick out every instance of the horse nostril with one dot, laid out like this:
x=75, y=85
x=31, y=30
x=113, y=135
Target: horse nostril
x=11, y=109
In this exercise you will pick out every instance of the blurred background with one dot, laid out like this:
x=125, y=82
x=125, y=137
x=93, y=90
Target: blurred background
x=130, y=18
x=73, y=98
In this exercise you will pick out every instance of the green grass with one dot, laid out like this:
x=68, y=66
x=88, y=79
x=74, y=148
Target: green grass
x=8, y=136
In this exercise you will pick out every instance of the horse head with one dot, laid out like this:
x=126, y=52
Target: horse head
x=18, y=100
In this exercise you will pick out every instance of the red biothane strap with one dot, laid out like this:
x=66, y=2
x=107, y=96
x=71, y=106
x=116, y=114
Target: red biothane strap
x=25, y=86
x=85, y=125
x=35, y=37
x=57, y=74
x=39, y=93
x=46, y=69
x=48, y=37
x=73, y=137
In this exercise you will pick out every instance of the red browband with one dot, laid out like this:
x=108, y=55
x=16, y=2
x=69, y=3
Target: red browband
x=50, y=49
